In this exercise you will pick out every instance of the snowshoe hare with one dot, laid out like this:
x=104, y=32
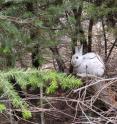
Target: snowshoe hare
x=89, y=63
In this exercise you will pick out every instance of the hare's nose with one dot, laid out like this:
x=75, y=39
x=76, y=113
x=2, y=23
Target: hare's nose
x=73, y=62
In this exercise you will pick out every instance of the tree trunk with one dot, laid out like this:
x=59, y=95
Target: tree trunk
x=90, y=35
x=79, y=33
x=60, y=63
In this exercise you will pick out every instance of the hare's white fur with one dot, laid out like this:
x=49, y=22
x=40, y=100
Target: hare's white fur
x=89, y=63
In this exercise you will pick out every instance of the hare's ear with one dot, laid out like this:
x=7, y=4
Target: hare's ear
x=81, y=50
x=76, y=49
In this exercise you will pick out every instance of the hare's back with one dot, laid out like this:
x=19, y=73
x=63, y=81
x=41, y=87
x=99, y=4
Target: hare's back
x=90, y=55
x=93, y=57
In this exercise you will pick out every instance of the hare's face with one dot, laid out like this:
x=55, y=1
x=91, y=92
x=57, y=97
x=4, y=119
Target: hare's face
x=76, y=59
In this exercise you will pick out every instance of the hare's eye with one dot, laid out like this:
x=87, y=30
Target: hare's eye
x=76, y=57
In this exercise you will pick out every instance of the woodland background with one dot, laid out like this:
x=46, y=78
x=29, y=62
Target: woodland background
x=37, y=41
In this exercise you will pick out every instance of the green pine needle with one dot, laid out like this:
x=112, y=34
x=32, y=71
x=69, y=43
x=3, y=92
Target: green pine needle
x=51, y=80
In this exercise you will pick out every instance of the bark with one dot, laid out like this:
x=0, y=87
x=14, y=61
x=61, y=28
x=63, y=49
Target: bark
x=104, y=34
x=60, y=62
x=111, y=22
x=36, y=56
x=79, y=33
x=91, y=22
x=114, y=44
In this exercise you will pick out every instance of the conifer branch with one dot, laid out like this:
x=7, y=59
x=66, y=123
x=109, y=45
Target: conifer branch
x=35, y=78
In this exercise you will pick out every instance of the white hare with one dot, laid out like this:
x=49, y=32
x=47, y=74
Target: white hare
x=89, y=63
